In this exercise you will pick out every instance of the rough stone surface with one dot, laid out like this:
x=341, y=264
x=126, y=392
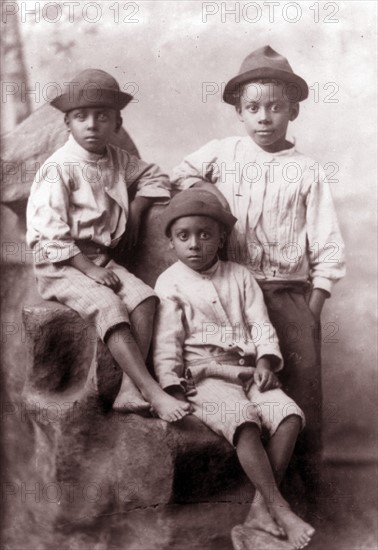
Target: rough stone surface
x=246, y=538
x=29, y=144
x=97, y=460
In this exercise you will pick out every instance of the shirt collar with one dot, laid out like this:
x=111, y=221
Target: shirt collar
x=200, y=274
x=250, y=144
x=79, y=151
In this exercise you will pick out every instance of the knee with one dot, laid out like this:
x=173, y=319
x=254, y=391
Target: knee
x=147, y=307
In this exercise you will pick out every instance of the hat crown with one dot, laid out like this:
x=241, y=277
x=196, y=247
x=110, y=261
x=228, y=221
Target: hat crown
x=196, y=202
x=265, y=57
x=96, y=78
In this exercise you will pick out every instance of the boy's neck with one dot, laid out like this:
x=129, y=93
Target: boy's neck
x=275, y=148
x=84, y=152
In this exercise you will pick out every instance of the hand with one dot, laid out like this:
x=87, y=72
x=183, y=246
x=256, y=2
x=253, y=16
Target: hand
x=264, y=378
x=103, y=276
x=316, y=302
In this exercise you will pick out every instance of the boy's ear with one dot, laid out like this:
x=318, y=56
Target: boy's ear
x=118, y=124
x=238, y=111
x=171, y=245
x=294, y=111
x=67, y=121
x=222, y=239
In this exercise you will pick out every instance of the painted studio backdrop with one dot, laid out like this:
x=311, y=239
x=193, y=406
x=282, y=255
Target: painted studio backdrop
x=175, y=58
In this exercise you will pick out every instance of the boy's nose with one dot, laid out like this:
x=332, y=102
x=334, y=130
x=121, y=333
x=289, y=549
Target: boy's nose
x=91, y=122
x=193, y=243
x=264, y=115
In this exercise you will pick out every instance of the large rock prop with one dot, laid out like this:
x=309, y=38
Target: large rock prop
x=95, y=461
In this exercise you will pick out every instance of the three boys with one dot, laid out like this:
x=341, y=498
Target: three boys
x=286, y=236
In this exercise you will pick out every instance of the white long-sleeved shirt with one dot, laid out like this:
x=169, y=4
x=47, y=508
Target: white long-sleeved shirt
x=81, y=196
x=287, y=227
x=209, y=315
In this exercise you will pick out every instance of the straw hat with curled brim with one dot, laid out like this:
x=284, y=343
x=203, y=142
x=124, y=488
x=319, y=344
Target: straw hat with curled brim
x=92, y=88
x=266, y=63
x=196, y=202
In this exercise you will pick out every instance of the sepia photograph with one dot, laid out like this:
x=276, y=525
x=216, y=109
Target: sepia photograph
x=189, y=275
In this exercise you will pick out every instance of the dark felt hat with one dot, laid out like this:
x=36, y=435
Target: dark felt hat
x=261, y=64
x=196, y=202
x=92, y=88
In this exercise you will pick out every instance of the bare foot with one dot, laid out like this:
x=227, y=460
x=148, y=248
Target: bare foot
x=169, y=408
x=129, y=398
x=298, y=532
x=259, y=518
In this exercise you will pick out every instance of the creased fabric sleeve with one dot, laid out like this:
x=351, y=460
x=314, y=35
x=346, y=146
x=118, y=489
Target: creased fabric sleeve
x=47, y=217
x=202, y=165
x=147, y=179
x=260, y=329
x=325, y=243
x=168, y=343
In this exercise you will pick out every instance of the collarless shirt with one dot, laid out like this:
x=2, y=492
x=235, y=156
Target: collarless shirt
x=207, y=315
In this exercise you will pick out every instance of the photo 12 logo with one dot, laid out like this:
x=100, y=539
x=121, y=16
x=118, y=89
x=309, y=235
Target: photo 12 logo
x=52, y=12
x=270, y=12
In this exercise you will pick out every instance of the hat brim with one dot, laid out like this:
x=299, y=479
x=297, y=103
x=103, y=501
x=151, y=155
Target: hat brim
x=194, y=208
x=112, y=99
x=297, y=89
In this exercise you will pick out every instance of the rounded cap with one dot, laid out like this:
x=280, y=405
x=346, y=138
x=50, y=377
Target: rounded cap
x=266, y=63
x=92, y=88
x=196, y=202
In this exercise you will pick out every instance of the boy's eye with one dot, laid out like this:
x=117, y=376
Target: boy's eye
x=182, y=236
x=276, y=108
x=204, y=235
x=79, y=116
x=253, y=108
x=102, y=117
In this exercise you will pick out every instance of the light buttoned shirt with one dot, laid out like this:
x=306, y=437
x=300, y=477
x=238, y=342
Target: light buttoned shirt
x=81, y=196
x=287, y=228
x=207, y=316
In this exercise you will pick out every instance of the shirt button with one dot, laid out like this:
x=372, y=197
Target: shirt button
x=213, y=363
x=241, y=362
x=106, y=188
x=98, y=250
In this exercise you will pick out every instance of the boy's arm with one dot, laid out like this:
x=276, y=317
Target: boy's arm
x=100, y=274
x=268, y=355
x=150, y=185
x=168, y=343
x=200, y=167
x=48, y=230
x=325, y=243
x=262, y=332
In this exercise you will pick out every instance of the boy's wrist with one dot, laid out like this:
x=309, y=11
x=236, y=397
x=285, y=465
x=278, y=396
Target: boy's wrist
x=267, y=362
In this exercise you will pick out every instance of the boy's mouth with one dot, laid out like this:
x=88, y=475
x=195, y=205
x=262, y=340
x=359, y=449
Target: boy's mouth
x=264, y=132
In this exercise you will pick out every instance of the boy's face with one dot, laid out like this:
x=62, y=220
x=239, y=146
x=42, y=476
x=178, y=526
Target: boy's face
x=196, y=240
x=92, y=127
x=266, y=113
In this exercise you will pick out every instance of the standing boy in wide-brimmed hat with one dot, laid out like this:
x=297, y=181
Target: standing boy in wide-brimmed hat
x=287, y=233
x=77, y=213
